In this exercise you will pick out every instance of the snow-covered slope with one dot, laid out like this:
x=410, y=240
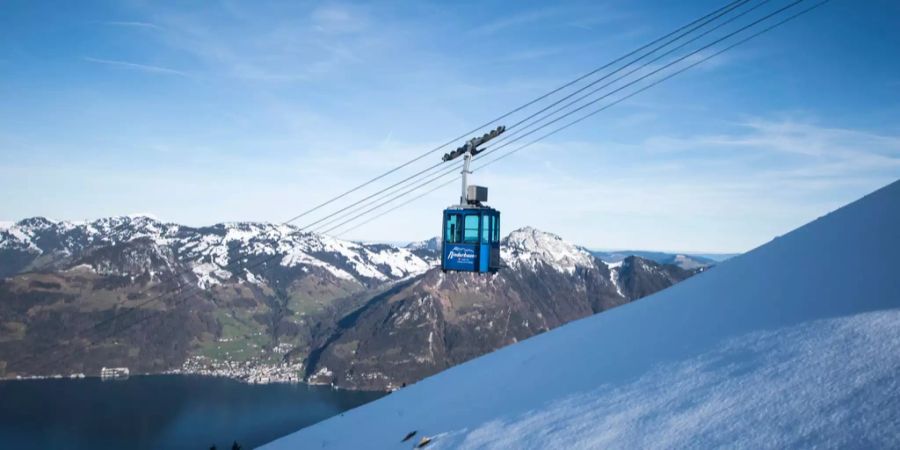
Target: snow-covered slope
x=780, y=347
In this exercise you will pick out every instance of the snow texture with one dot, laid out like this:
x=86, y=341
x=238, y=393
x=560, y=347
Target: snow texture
x=779, y=347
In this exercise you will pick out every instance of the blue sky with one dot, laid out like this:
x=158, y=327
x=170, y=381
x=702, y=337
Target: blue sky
x=201, y=112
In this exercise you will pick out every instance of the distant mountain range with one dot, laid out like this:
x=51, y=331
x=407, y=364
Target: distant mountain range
x=245, y=299
x=683, y=260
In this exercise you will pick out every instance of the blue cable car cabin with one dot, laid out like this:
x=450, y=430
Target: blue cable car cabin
x=471, y=239
x=471, y=230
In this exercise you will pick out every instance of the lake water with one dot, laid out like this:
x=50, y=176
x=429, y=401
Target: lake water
x=161, y=412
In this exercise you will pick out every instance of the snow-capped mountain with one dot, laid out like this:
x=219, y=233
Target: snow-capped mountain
x=781, y=347
x=219, y=291
x=443, y=319
x=429, y=244
x=528, y=247
x=250, y=291
x=212, y=254
x=429, y=249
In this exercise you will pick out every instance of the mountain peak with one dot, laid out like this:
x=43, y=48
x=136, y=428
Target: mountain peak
x=36, y=222
x=531, y=246
x=144, y=216
x=428, y=244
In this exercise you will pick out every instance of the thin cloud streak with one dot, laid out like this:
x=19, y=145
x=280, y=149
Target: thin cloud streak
x=137, y=66
x=132, y=24
x=513, y=21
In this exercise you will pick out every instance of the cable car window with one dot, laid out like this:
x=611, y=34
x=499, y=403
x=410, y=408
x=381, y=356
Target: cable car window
x=452, y=230
x=486, y=229
x=470, y=235
x=495, y=232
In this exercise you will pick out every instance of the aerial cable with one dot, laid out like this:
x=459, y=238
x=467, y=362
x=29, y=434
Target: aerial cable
x=446, y=183
x=417, y=187
x=382, y=195
x=673, y=40
x=627, y=85
x=697, y=24
x=729, y=47
x=415, y=175
x=656, y=82
x=632, y=94
x=505, y=115
x=649, y=74
x=508, y=136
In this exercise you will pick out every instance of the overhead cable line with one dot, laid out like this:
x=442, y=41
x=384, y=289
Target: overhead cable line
x=507, y=114
x=330, y=218
x=446, y=183
x=656, y=82
x=507, y=136
x=417, y=187
x=632, y=94
x=652, y=73
x=619, y=89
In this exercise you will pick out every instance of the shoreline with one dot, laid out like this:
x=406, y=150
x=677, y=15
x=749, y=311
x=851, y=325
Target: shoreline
x=187, y=374
x=247, y=372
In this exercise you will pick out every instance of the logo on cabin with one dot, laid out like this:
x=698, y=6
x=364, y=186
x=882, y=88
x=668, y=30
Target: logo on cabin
x=462, y=255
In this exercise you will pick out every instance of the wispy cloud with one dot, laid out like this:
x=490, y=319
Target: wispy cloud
x=338, y=19
x=132, y=24
x=136, y=66
x=791, y=137
x=299, y=44
x=513, y=21
x=587, y=17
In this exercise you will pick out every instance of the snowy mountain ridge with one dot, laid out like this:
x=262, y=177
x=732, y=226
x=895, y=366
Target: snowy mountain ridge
x=267, y=287
x=212, y=252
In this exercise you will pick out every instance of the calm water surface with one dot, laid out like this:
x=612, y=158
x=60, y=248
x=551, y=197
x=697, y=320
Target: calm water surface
x=161, y=412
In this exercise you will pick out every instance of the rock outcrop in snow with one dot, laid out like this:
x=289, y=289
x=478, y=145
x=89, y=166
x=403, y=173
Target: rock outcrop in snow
x=781, y=347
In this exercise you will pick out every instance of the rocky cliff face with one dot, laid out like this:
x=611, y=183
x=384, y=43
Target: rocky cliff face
x=442, y=319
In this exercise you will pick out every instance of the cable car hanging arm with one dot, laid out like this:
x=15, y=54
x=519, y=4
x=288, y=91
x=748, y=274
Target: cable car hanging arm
x=471, y=146
x=467, y=151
